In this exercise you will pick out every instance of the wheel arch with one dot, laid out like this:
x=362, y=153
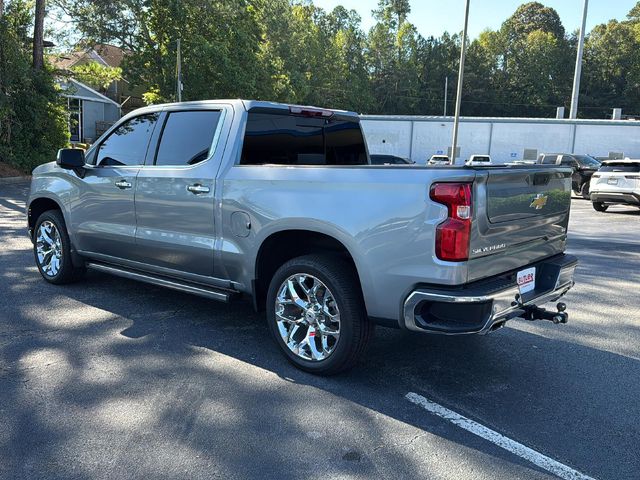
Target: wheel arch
x=37, y=206
x=283, y=245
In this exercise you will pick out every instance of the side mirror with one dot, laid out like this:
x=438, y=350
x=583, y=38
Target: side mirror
x=70, y=158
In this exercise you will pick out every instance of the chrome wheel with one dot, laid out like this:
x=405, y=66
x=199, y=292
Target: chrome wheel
x=307, y=316
x=49, y=248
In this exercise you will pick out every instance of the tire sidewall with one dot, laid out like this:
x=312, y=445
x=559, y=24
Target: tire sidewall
x=341, y=352
x=600, y=207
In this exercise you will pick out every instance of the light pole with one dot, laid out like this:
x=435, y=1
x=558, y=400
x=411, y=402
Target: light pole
x=463, y=51
x=178, y=74
x=446, y=93
x=576, y=76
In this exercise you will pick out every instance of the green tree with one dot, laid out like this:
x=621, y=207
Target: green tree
x=96, y=75
x=611, y=72
x=33, y=120
x=394, y=50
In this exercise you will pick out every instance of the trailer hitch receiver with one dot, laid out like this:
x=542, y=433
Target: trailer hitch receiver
x=532, y=312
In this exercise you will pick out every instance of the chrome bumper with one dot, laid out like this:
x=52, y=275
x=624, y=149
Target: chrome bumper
x=492, y=306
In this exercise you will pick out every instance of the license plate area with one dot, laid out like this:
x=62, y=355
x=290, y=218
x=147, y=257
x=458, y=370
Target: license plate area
x=612, y=181
x=526, y=280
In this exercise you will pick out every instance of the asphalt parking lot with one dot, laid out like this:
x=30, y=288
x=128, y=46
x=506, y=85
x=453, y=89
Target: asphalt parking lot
x=115, y=379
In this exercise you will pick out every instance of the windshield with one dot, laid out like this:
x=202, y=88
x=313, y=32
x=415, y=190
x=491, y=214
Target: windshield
x=587, y=161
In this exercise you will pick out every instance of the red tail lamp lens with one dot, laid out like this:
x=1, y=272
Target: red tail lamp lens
x=453, y=235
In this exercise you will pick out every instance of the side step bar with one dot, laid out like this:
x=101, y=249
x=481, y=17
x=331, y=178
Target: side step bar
x=196, y=289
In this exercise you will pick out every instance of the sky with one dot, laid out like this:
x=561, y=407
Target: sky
x=432, y=18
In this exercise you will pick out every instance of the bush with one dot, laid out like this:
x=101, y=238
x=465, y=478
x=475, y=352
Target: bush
x=33, y=117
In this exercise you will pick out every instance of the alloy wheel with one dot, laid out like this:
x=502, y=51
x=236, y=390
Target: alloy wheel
x=49, y=248
x=308, y=317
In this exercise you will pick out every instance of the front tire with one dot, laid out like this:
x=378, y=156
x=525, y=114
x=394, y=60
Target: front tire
x=600, y=207
x=52, y=249
x=316, y=314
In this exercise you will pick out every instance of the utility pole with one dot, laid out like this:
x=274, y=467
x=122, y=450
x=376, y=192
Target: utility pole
x=463, y=51
x=446, y=92
x=575, y=94
x=178, y=75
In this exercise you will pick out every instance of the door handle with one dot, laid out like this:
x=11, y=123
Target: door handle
x=122, y=184
x=197, y=189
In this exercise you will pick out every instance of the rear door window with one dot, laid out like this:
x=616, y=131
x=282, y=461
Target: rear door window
x=549, y=159
x=285, y=139
x=187, y=137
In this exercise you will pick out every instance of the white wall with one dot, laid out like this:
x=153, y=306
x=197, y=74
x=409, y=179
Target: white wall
x=504, y=139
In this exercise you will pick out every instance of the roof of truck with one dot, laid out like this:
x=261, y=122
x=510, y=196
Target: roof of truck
x=250, y=104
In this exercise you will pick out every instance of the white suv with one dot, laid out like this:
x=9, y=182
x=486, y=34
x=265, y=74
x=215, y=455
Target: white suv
x=617, y=182
x=438, y=160
x=478, y=160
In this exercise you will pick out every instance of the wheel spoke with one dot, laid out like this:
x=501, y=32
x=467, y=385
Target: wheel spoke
x=313, y=331
x=293, y=321
x=46, y=236
x=294, y=295
x=311, y=342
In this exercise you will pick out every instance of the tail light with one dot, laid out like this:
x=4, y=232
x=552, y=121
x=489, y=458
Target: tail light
x=632, y=177
x=452, y=235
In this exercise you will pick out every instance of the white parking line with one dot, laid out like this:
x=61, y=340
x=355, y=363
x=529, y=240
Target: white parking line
x=498, y=439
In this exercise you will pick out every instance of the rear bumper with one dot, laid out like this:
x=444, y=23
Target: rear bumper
x=484, y=306
x=627, y=198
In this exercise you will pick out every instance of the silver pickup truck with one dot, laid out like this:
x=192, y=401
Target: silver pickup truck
x=279, y=203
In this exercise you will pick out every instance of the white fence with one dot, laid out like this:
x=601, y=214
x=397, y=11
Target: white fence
x=505, y=139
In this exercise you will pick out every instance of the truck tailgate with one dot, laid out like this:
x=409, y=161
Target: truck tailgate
x=521, y=215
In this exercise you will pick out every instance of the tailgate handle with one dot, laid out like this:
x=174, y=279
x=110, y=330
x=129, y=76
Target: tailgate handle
x=541, y=178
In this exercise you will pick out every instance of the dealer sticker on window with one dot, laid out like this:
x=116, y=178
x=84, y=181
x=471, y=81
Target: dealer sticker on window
x=527, y=280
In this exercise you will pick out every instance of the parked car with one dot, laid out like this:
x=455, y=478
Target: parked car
x=617, y=182
x=230, y=199
x=583, y=166
x=478, y=160
x=438, y=160
x=383, y=159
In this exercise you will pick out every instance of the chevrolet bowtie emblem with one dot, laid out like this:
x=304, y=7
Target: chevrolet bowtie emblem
x=539, y=201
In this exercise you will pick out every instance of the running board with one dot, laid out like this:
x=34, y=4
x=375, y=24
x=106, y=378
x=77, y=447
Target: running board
x=196, y=289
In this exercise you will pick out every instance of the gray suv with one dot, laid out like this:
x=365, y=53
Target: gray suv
x=279, y=203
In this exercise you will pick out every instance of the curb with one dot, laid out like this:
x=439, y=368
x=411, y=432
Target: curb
x=11, y=180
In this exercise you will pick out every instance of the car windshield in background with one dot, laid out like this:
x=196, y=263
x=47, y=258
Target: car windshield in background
x=587, y=161
x=621, y=167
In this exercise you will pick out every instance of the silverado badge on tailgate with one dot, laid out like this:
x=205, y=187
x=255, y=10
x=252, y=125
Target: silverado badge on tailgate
x=539, y=201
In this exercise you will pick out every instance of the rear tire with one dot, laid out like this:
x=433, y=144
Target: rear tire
x=306, y=296
x=600, y=207
x=52, y=249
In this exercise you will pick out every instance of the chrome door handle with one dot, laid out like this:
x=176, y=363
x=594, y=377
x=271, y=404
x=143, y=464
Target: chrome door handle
x=197, y=188
x=122, y=184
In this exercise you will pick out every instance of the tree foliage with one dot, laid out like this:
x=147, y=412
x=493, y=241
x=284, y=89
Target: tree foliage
x=96, y=75
x=33, y=121
x=293, y=51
